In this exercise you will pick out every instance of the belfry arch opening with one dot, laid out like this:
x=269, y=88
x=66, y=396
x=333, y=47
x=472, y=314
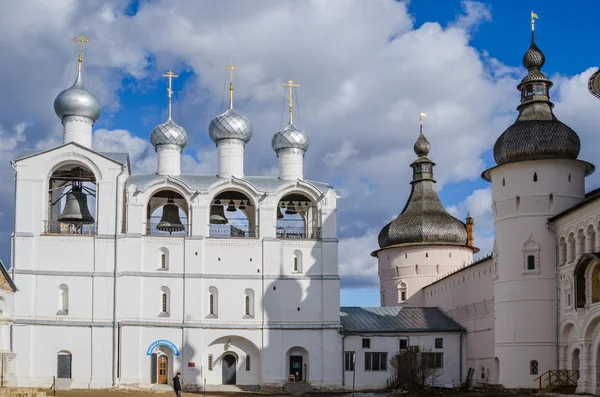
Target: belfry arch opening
x=71, y=200
x=232, y=214
x=167, y=214
x=297, y=217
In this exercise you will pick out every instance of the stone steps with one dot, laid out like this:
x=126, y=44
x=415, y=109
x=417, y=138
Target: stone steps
x=297, y=387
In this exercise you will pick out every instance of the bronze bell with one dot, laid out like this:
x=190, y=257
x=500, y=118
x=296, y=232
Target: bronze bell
x=279, y=214
x=76, y=209
x=291, y=210
x=170, y=221
x=217, y=215
x=231, y=206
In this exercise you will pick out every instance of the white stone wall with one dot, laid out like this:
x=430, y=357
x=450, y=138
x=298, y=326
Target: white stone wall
x=467, y=297
x=524, y=299
x=450, y=373
x=411, y=268
x=67, y=285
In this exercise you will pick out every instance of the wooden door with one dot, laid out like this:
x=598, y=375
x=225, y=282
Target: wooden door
x=163, y=370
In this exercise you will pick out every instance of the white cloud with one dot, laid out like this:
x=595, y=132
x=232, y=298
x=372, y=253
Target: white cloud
x=365, y=74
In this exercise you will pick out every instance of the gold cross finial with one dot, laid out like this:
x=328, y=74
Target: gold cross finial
x=291, y=84
x=81, y=41
x=231, y=68
x=421, y=118
x=170, y=75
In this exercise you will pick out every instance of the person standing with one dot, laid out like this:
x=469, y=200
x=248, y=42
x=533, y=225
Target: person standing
x=177, y=384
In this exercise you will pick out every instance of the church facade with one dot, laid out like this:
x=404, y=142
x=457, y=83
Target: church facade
x=126, y=279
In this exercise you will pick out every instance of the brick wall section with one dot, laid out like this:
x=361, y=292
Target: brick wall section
x=4, y=284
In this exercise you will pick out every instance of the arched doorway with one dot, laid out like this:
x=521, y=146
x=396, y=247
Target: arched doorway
x=297, y=364
x=163, y=369
x=229, y=369
x=497, y=370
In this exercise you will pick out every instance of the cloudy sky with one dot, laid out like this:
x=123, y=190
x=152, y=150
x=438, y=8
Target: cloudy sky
x=366, y=70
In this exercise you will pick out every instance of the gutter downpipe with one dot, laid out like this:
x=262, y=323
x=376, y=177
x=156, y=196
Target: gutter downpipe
x=13, y=246
x=556, y=290
x=12, y=258
x=114, y=326
x=343, y=358
x=460, y=355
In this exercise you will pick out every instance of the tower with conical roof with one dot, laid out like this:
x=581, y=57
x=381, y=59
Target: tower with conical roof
x=169, y=139
x=424, y=242
x=290, y=144
x=537, y=175
x=77, y=108
x=230, y=131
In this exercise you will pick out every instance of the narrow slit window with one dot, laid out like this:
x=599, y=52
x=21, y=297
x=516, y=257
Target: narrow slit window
x=210, y=362
x=211, y=304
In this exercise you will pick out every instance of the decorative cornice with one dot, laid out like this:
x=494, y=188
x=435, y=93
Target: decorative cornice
x=166, y=274
x=301, y=243
x=164, y=240
x=232, y=242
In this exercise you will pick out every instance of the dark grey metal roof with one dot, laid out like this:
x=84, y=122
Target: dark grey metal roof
x=396, y=319
x=424, y=220
x=203, y=182
x=536, y=134
x=594, y=84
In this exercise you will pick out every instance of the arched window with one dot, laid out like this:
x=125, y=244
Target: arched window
x=213, y=302
x=297, y=266
x=163, y=259
x=249, y=303
x=63, y=300
x=165, y=302
x=210, y=362
x=503, y=182
x=535, y=176
x=596, y=284
x=533, y=367
x=437, y=269
x=401, y=292
x=416, y=269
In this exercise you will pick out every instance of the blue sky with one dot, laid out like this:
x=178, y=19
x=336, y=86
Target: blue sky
x=366, y=71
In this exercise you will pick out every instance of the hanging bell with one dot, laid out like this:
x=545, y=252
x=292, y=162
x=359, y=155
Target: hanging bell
x=231, y=206
x=291, y=210
x=76, y=209
x=279, y=214
x=217, y=215
x=170, y=221
x=242, y=205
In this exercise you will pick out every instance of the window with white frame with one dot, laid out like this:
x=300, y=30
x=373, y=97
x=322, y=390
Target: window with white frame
x=63, y=300
x=247, y=363
x=376, y=361
x=349, y=360
x=213, y=302
x=432, y=360
x=163, y=256
x=531, y=256
x=165, y=299
x=297, y=264
x=249, y=303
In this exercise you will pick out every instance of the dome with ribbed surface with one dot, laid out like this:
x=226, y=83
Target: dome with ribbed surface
x=594, y=84
x=424, y=220
x=230, y=125
x=169, y=133
x=290, y=138
x=536, y=134
x=77, y=101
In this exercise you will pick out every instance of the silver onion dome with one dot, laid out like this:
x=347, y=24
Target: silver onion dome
x=169, y=133
x=290, y=138
x=77, y=101
x=230, y=125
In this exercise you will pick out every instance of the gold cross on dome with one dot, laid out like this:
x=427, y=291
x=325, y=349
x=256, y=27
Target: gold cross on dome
x=170, y=75
x=231, y=68
x=81, y=41
x=290, y=83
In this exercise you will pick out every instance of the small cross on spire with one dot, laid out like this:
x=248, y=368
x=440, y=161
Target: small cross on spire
x=170, y=75
x=290, y=84
x=81, y=41
x=231, y=68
